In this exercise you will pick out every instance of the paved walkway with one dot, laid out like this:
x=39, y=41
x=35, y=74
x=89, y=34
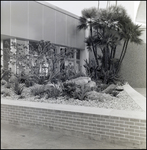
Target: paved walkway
x=16, y=137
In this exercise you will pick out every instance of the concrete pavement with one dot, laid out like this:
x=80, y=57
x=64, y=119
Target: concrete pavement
x=16, y=137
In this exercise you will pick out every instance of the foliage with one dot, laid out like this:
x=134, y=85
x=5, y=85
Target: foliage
x=64, y=74
x=91, y=69
x=18, y=88
x=5, y=74
x=8, y=85
x=68, y=89
x=38, y=90
x=3, y=82
x=80, y=92
x=42, y=62
x=53, y=92
x=75, y=91
x=108, y=28
x=5, y=92
x=41, y=90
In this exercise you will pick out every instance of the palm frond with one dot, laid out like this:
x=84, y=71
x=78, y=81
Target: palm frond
x=89, y=12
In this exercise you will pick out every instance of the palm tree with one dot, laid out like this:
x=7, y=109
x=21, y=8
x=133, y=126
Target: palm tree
x=124, y=29
x=108, y=28
x=86, y=21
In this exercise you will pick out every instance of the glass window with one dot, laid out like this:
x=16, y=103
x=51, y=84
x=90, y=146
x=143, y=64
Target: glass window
x=77, y=54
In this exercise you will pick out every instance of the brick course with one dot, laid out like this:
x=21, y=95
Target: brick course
x=95, y=126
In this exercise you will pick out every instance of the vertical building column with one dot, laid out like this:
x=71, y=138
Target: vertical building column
x=58, y=64
x=12, y=62
x=84, y=54
x=2, y=53
x=27, y=69
x=75, y=60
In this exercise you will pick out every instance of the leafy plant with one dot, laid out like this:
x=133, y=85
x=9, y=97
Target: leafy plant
x=68, y=89
x=8, y=85
x=5, y=93
x=3, y=82
x=52, y=92
x=91, y=69
x=18, y=88
x=38, y=90
x=80, y=92
x=5, y=74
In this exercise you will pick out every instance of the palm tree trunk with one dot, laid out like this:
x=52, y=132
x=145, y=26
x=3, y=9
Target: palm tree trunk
x=112, y=55
x=114, y=51
x=125, y=49
x=93, y=47
x=121, y=54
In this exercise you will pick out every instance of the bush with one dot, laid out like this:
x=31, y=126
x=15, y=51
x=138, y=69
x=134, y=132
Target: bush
x=8, y=85
x=18, y=88
x=38, y=90
x=27, y=79
x=5, y=74
x=68, y=89
x=80, y=92
x=3, y=82
x=5, y=92
x=52, y=92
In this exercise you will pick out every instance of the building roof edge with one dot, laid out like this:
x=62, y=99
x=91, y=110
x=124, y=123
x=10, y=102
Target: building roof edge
x=58, y=9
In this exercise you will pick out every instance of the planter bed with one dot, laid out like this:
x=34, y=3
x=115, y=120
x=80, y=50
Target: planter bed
x=123, y=101
x=119, y=126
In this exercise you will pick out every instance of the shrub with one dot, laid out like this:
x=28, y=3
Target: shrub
x=8, y=85
x=42, y=80
x=68, y=89
x=27, y=79
x=38, y=90
x=80, y=92
x=3, y=82
x=29, y=83
x=5, y=92
x=21, y=97
x=53, y=92
x=18, y=88
x=5, y=74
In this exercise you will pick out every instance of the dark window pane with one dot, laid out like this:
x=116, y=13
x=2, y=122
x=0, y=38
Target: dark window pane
x=78, y=54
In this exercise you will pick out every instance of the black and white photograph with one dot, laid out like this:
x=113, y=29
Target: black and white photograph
x=73, y=74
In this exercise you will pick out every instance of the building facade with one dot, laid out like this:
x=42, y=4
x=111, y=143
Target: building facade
x=24, y=22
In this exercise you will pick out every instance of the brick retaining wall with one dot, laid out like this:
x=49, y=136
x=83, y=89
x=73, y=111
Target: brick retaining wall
x=96, y=126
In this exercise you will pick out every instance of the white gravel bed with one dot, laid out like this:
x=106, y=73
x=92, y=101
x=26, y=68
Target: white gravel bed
x=122, y=102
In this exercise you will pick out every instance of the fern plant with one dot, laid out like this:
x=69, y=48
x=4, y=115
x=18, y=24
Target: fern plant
x=52, y=92
x=38, y=90
x=68, y=89
x=18, y=88
x=80, y=92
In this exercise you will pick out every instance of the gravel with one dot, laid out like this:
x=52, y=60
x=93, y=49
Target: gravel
x=122, y=102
